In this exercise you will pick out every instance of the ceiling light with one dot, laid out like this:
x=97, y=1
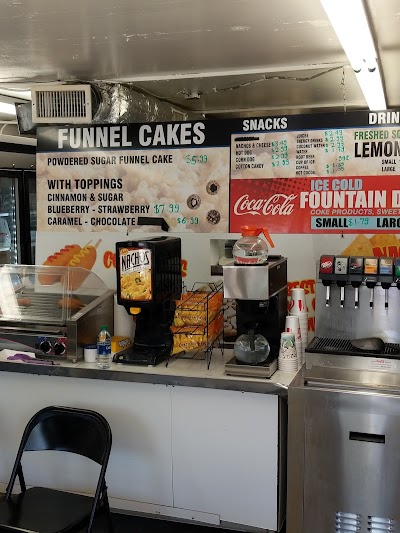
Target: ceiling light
x=371, y=84
x=7, y=108
x=349, y=20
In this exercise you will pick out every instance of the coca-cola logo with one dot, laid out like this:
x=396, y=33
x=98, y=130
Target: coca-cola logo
x=278, y=204
x=326, y=264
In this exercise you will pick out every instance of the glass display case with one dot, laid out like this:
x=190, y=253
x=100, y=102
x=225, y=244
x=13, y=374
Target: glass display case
x=52, y=310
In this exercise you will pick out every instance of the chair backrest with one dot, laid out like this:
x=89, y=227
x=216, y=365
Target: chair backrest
x=69, y=429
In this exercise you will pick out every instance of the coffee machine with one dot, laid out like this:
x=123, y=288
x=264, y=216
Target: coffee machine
x=260, y=292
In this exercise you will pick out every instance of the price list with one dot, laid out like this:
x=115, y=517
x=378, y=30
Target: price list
x=334, y=145
x=279, y=153
x=170, y=209
x=306, y=143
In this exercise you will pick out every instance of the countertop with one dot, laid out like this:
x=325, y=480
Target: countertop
x=179, y=372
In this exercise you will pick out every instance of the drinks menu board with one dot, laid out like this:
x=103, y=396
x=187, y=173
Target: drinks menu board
x=309, y=181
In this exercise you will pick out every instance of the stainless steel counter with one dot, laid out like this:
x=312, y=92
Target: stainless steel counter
x=179, y=372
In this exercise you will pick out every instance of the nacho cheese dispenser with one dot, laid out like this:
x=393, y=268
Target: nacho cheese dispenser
x=149, y=280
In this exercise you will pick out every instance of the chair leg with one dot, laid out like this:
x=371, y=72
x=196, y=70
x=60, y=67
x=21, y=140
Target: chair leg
x=108, y=513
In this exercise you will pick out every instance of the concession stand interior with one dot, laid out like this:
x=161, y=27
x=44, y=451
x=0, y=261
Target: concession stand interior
x=217, y=185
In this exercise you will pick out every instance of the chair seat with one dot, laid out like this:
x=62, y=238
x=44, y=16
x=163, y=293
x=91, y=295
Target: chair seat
x=42, y=510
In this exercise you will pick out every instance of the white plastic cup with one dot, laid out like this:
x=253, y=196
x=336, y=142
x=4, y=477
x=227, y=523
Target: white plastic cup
x=90, y=353
x=297, y=304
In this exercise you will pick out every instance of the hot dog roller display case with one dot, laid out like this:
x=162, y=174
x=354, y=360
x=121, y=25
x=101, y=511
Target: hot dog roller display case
x=52, y=311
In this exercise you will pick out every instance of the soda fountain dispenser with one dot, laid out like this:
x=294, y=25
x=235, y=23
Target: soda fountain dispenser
x=355, y=276
x=385, y=276
x=371, y=276
x=341, y=267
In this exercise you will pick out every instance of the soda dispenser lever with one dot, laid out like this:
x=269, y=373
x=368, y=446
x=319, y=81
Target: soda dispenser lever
x=385, y=276
x=356, y=269
x=341, y=268
x=326, y=274
x=371, y=276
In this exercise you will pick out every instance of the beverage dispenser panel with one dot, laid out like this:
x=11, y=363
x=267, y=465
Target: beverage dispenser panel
x=363, y=299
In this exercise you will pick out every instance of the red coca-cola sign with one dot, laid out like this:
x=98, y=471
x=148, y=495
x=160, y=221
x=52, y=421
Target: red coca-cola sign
x=270, y=202
x=277, y=204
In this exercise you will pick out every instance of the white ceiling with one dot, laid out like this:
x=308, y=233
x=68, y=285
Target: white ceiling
x=219, y=49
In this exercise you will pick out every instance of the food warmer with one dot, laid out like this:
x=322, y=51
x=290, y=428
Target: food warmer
x=52, y=311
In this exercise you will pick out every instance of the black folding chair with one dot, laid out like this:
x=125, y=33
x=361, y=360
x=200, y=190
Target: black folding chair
x=44, y=510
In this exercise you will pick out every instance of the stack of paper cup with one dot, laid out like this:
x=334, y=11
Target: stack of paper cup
x=298, y=308
x=292, y=325
x=287, y=360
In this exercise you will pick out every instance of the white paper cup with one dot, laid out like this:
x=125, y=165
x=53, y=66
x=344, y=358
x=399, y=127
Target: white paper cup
x=297, y=304
x=292, y=325
x=287, y=348
x=304, y=337
x=286, y=367
x=90, y=353
x=287, y=336
x=303, y=319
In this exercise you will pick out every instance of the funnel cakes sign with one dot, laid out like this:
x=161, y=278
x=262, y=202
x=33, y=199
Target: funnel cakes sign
x=119, y=177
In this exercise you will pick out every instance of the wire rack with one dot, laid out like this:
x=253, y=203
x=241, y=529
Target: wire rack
x=198, y=323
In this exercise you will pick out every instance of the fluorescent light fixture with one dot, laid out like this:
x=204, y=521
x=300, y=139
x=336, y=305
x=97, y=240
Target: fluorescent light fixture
x=350, y=23
x=7, y=108
x=371, y=85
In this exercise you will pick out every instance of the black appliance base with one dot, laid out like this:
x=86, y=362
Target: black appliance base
x=143, y=355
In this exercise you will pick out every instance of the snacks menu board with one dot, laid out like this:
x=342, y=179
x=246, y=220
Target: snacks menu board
x=329, y=180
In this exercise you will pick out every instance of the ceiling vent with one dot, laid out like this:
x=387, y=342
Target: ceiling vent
x=61, y=104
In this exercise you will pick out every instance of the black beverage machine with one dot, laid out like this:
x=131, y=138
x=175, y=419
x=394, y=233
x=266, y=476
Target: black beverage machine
x=260, y=292
x=149, y=280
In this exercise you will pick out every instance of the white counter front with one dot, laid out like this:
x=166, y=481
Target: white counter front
x=207, y=453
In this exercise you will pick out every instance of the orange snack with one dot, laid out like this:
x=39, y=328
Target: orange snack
x=70, y=303
x=24, y=302
x=61, y=258
x=196, y=309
